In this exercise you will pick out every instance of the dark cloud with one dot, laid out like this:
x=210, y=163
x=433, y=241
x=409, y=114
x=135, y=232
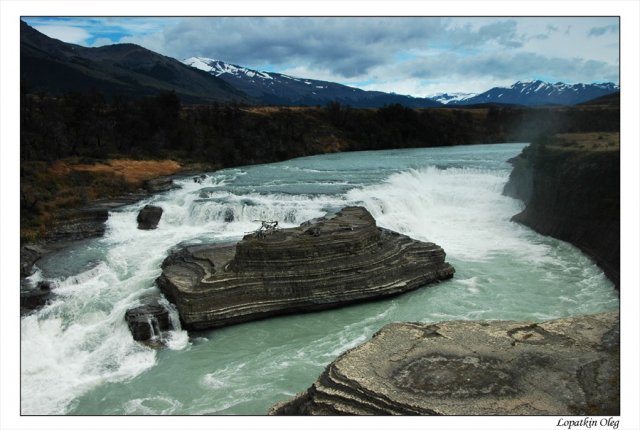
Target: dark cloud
x=502, y=33
x=524, y=65
x=347, y=47
x=599, y=31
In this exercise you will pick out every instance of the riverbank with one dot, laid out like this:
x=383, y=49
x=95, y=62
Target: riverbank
x=69, y=200
x=570, y=184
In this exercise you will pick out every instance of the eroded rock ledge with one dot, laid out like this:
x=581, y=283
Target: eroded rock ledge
x=323, y=263
x=567, y=366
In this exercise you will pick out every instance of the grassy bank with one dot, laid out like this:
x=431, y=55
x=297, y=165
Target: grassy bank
x=47, y=189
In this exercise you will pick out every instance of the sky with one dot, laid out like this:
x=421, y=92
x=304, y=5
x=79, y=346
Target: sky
x=418, y=56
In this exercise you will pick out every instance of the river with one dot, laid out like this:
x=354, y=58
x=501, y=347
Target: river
x=78, y=357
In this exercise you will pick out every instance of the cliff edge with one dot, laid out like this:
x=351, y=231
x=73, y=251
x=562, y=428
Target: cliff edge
x=570, y=184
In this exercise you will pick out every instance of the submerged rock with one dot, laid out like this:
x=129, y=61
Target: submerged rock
x=149, y=217
x=327, y=262
x=148, y=321
x=34, y=298
x=568, y=366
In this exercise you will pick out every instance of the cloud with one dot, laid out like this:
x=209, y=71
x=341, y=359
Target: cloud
x=401, y=54
x=524, y=65
x=599, y=31
x=65, y=33
x=102, y=41
x=348, y=47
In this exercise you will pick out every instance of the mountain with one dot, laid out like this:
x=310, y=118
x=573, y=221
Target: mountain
x=56, y=67
x=537, y=93
x=277, y=88
x=612, y=100
x=453, y=98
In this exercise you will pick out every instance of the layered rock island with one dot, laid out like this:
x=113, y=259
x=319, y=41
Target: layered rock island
x=568, y=366
x=327, y=262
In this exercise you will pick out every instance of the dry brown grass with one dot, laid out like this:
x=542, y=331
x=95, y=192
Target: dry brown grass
x=601, y=141
x=132, y=171
x=269, y=110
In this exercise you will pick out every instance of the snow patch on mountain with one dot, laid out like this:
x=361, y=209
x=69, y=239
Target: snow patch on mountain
x=446, y=98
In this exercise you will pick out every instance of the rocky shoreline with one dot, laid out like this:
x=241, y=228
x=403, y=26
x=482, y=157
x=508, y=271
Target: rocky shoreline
x=82, y=223
x=324, y=263
x=571, y=189
x=568, y=366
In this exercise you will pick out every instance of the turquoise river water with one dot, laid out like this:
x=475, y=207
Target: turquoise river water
x=78, y=357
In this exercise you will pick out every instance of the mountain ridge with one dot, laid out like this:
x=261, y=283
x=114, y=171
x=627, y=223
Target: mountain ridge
x=53, y=66
x=50, y=65
x=278, y=88
x=538, y=93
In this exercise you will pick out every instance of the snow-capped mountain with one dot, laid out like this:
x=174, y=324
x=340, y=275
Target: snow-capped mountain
x=452, y=98
x=277, y=88
x=537, y=93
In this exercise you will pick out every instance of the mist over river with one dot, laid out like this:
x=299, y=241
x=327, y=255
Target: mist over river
x=78, y=356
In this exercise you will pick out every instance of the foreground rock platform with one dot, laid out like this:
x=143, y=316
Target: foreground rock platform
x=324, y=263
x=567, y=366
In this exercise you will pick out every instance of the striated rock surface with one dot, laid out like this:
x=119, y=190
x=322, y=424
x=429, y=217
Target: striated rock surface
x=571, y=187
x=327, y=262
x=567, y=366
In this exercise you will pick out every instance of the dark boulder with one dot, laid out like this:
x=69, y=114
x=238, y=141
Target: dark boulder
x=149, y=217
x=29, y=254
x=34, y=298
x=328, y=262
x=159, y=185
x=148, y=321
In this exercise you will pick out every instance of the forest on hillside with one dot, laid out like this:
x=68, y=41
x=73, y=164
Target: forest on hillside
x=87, y=125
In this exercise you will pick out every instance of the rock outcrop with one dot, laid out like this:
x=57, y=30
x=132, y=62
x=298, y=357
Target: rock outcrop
x=148, y=217
x=34, y=298
x=88, y=221
x=148, y=321
x=327, y=262
x=572, y=192
x=568, y=366
x=159, y=185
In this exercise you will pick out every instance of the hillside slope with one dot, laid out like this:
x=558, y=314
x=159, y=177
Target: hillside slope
x=56, y=67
